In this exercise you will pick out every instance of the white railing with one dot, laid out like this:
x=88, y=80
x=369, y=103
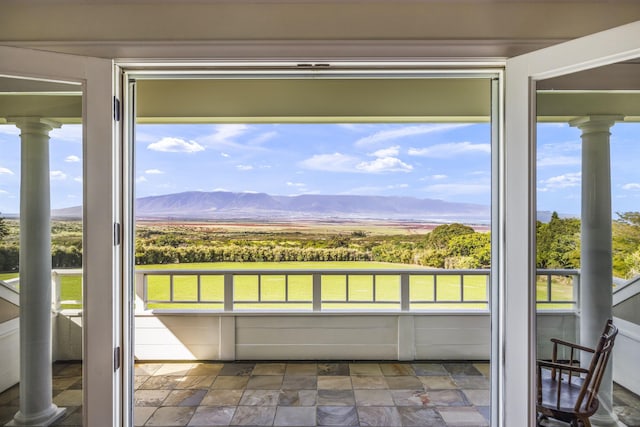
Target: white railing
x=9, y=290
x=62, y=298
x=554, y=279
x=330, y=290
x=315, y=290
x=625, y=289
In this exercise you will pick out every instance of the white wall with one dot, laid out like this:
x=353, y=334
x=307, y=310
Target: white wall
x=9, y=353
x=625, y=355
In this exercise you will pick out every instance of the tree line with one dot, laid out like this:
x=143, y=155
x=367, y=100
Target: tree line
x=452, y=246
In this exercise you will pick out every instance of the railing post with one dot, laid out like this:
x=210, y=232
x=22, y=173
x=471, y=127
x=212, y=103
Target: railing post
x=141, y=291
x=228, y=292
x=576, y=291
x=55, y=291
x=488, y=289
x=317, y=292
x=405, y=296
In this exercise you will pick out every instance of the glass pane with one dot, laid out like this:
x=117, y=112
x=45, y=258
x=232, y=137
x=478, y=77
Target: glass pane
x=588, y=228
x=294, y=210
x=41, y=234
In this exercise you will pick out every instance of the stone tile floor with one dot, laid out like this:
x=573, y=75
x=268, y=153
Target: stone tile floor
x=300, y=394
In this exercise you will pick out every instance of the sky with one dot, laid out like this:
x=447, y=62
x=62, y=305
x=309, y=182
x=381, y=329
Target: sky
x=440, y=161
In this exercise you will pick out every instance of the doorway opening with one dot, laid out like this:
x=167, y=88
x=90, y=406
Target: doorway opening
x=290, y=222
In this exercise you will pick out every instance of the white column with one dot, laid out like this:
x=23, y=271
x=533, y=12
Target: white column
x=596, y=270
x=36, y=405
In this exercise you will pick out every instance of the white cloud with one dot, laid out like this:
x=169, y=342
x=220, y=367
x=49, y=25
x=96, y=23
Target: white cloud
x=354, y=127
x=554, y=124
x=336, y=162
x=153, y=172
x=69, y=133
x=141, y=178
x=558, y=161
x=373, y=189
x=72, y=159
x=562, y=181
x=452, y=149
x=563, y=153
x=295, y=184
x=225, y=135
x=6, y=171
x=175, y=145
x=220, y=189
x=262, y=138
x=387, y=152
x=3, y=191
x=9, y=130
x=392, y=134
x=144, y=137
x=225, y=155
x=634, y=186
x=457, y=189
x=436, y=177
x=384, y=164
x=78, y=179
x=57, y=175
x=244, y=167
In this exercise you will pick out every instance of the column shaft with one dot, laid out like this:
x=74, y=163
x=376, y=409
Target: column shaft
x=36, y=407
x=596, y=270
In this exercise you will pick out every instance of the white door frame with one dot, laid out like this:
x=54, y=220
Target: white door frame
x=522, y=72
x=101, y=278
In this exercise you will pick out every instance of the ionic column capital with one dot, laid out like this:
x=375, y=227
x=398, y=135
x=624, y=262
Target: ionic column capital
x=596, y=123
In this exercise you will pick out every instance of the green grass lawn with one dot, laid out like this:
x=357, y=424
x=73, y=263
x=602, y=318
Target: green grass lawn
x=561, y=290
x=272, y=289
x=7, y=276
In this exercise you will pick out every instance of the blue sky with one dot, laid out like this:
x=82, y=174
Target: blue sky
x=441, y=161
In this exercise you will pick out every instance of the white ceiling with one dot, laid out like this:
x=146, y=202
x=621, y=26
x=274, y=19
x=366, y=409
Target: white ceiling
x=309, y=28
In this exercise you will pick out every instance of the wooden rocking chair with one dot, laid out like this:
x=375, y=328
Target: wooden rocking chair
x=567, y=392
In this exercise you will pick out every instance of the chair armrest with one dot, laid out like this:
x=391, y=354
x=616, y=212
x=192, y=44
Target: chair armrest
x=572, y=345
x=561, y=366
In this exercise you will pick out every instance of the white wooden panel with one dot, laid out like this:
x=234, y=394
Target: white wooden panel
x=317, y=321
x=451, y=337
x=181, y=337
x=406, y=338
x=310, y=352
x=467, y=336
x=625, y=355
x=316, y=336
x=227, y=346
x=555, y=325
x=9, y=354
x=453, y=352
x=67, y=344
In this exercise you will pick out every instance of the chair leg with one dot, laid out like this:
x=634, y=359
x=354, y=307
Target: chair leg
x=580, y=422
x=540, y=419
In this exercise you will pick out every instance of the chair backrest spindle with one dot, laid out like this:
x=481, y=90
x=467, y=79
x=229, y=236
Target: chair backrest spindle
x=597, y=367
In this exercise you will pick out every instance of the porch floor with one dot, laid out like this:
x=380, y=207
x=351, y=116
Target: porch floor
x=300, y=394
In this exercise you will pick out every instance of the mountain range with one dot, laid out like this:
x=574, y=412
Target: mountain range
x=194, y=205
